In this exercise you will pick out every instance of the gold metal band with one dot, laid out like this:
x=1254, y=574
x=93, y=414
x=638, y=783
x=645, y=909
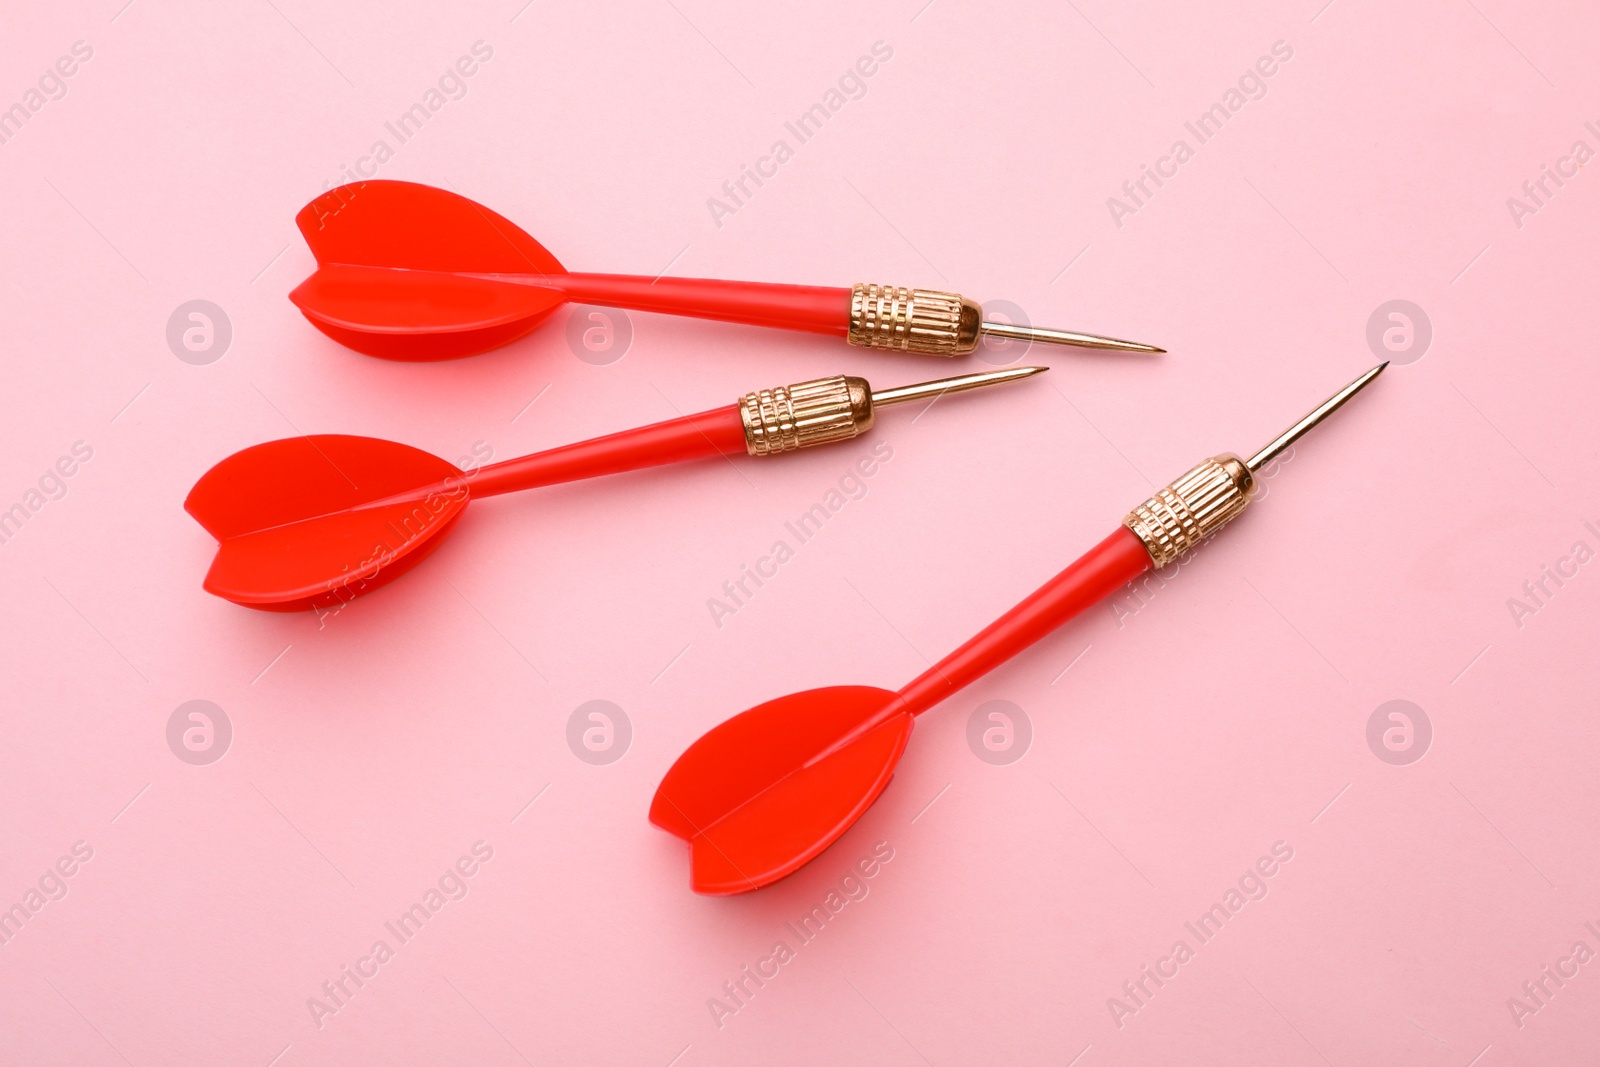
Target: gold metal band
x=1192, y=508
x=913, y=320
x=809, y=413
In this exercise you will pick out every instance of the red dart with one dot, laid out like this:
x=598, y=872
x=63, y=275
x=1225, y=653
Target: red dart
x=315, y=521
x=768, y=790
x=410, y=272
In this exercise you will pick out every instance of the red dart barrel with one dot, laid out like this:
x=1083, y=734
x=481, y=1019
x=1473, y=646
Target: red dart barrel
x=1095, y=575
x=709, y=433
x=812, y=308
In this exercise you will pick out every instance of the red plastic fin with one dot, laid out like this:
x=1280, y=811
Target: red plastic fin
x=429, y=347
x=300, y=478
x=403, y=301
x=765, y=792
x=331, y=560
x=385, y=223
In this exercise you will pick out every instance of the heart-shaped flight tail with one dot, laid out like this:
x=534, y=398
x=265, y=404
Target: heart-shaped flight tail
x=312, y=521
x=425, y=292
x=763, y=793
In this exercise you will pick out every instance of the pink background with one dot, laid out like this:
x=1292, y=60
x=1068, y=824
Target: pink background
x=1227, y=714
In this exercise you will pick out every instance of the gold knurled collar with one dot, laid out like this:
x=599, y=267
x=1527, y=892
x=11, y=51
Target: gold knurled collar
x=1192, y=508
x=809, y=413
x=913, y=320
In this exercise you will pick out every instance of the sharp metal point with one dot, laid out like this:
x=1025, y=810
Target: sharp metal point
x=1316, y=415
x=959, y=384
x=1065, y=337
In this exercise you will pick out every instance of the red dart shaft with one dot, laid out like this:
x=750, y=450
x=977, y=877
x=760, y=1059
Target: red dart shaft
x=1098, y=573
x=814, y=308
x=1173, y=521
x=719, y=432
x=410, y=272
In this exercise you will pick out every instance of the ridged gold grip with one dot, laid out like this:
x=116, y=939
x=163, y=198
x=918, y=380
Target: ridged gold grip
x=913, y=320
x=806, y=414
x=1192, y=508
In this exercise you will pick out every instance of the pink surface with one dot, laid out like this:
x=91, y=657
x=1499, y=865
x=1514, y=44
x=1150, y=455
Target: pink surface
x=1176, y=741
